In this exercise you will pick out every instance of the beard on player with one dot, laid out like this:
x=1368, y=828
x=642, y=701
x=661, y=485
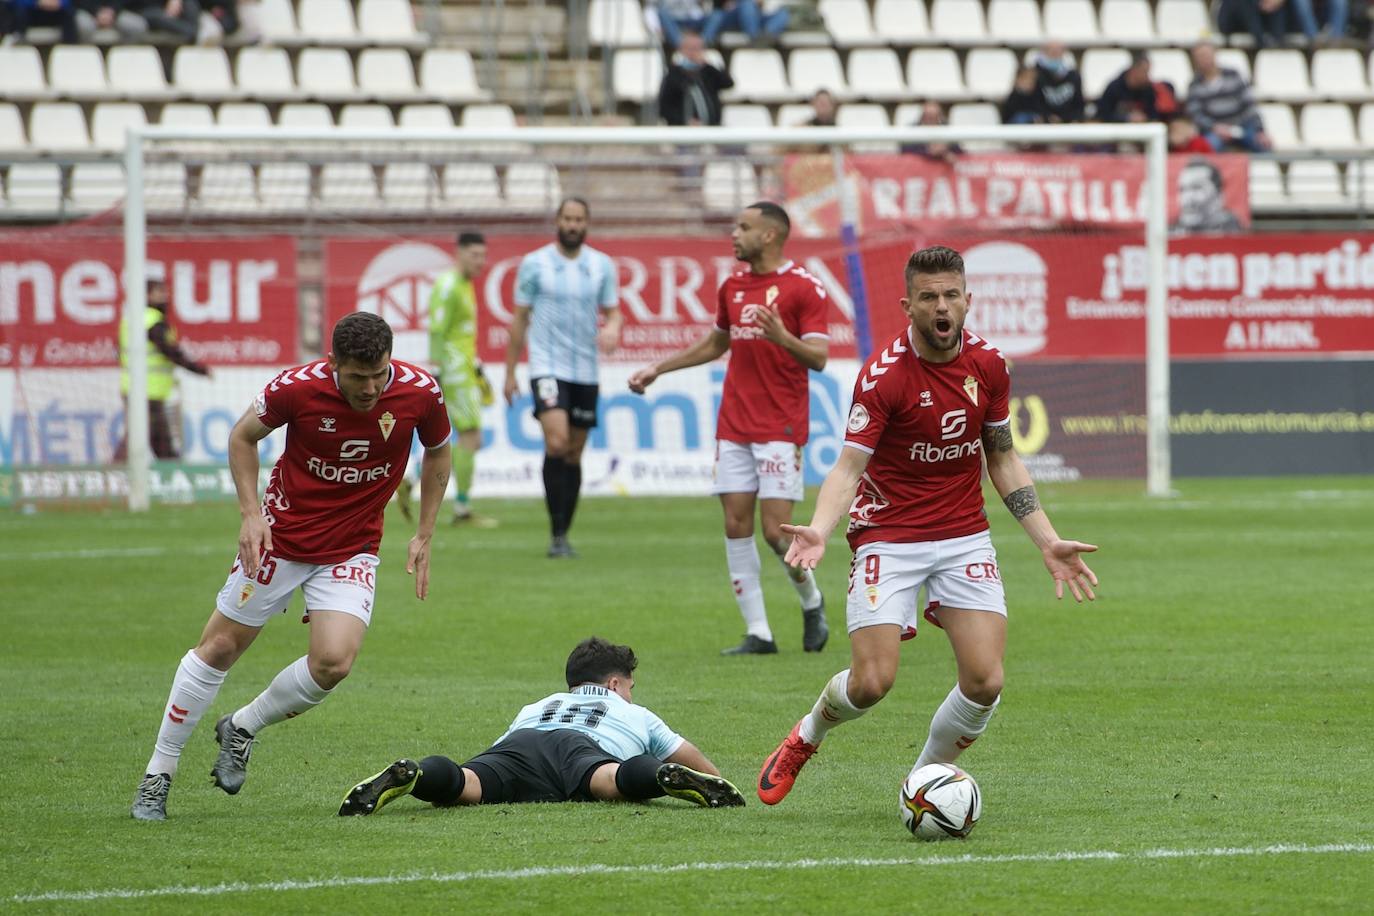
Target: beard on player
x=941, y=332
x=572, y=239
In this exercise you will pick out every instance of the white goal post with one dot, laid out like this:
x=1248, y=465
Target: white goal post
x=1151, y=137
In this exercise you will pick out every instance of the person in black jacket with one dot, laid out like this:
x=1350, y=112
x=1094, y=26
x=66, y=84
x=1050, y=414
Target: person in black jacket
x=1059, y=84
x=690, y=92
x=1134, y=97
x=1024, y=104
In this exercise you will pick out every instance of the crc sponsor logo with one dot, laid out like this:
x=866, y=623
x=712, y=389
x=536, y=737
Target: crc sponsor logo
x=360, y=575
x=982, y=570
x=336, y=474
x=354, y=450
x=774, y=465
x=929, y=453
x=953, y=424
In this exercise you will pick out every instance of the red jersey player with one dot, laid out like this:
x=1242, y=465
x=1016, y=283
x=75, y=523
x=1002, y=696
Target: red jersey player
x=772, y=318
x=927, y=410
x=349, y=421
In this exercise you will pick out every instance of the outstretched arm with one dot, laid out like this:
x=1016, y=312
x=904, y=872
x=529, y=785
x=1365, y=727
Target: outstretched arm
x=710, y=347
x=689, y=756
x=255, y=535
x=434, y=471
x=1009, y=475
x=832, y=504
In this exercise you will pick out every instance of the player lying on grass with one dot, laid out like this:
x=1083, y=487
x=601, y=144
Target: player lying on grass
x=589, y=743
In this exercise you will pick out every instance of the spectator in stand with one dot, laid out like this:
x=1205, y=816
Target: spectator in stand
x=761, y=20
x=931, y=114
x=1024, y=105
x=1184, y=138
x=678, y=16
x=1222, y=106
x=1136, y=98
x=823, y=110
x=690, y=92
x=1265, y=20
x=103, y=15
x=1302, y=15
x=1059, y=83
x=60, y=14
x=174, y=17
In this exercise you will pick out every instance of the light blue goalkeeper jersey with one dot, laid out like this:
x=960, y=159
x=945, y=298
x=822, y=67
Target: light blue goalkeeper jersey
x=564, y=298
x=622, y=729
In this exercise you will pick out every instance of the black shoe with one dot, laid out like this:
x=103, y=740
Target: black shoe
x=560, y=548
x=371, y=795
x=815, y=631
x=698, y=788
x=752, y=645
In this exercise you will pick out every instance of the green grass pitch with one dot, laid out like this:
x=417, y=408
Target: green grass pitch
x=1198, y=740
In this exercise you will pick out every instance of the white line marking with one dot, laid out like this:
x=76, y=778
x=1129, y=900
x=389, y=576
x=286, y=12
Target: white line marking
x=100, y=553
x=560, y=871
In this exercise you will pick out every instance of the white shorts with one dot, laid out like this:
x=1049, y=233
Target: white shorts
x=773, y=470
x=885, y=580
x=348, y=586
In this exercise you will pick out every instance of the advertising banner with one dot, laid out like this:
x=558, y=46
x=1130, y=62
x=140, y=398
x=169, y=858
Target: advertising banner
x=998, y=192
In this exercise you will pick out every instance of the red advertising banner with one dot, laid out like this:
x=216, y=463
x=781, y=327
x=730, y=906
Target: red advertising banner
x=233, y=300
x=997, y=192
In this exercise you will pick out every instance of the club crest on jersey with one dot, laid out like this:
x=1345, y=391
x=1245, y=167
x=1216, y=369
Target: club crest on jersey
x=971, y=389
x=926, y=399
x=771, y=296
x=388, y=423
x=327, y=424
x=871, y=593
x=246, y=592
x=858, y=418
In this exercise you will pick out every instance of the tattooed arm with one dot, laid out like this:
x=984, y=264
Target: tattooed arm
x=1013, y=482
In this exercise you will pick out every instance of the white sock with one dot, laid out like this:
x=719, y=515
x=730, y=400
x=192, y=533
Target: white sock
x=742, y=559
x=193, y=690
x=832, y=708
x=292, y=692
x=803, y=580
x=956, y=724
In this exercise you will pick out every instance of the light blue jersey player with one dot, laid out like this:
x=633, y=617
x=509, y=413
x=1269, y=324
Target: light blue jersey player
x=590, y=743
x=565, y=303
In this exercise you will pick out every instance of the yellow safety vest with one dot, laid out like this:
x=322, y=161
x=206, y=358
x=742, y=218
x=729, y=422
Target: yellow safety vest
x=160, y=378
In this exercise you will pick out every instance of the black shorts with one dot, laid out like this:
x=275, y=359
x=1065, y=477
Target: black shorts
x=536, y=765
x=555, y=394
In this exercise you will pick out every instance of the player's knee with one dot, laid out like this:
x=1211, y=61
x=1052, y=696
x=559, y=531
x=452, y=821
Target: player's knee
x=772, y=533
x=556, y=446
x=868, y=687
x=329, y=668
x=983, y=687
x=219, y=650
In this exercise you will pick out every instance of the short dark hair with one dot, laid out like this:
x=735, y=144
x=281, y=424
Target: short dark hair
x=573, y=200
x=361, y=337
x=595, y=660
x=471, y=238
x=774, y=212
x=1214, y=173
x=936, y=259
x=1138, y=57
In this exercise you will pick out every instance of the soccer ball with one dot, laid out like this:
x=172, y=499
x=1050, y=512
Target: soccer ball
x=939, y=801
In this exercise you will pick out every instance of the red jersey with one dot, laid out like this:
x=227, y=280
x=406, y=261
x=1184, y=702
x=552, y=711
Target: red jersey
x=767, y=397
x=328, y=489
x=922, y=423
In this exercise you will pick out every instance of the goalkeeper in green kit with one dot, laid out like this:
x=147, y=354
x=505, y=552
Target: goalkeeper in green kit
x=453, y=355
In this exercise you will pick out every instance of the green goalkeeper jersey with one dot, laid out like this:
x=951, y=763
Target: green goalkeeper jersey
x=453, y=329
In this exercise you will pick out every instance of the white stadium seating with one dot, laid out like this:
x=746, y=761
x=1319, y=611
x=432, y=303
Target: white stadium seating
x=387, y=74
x=743, y=114
x=110, y=122
x=448, y=74
x=1071, y=21
x=728, y=186
x=759, y=77
x=326, y=74
x=958, y=22
x=328, y=22
x=265, y=73
x=811, y=69
x=1099, y=66
x=389, y=22
x=934, y=73
x=23, y=69
x=1339, y=73
x=1328, y=126
x=1015, y=22
x=58, y=127
x=849, y=23
x=243, y=114
x=1127, y=22
x=1280, y=125
x=135, y=72
x=34, y=187
x=876, y=73
x=617, y=24
x=989, y=72
x=901, y=22
x=13, y=137
x=637, y=73
x=203, y=73
x=1182, y=22
x=96, y=186
x=1281, y=74
x=78, y=72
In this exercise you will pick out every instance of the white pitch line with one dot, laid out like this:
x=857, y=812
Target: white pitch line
x=562, y=871
x=100, y=553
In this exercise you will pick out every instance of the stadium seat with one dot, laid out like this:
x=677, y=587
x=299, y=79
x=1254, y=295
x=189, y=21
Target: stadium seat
x=533, y=187
x=277, y=20
x=13, y=137
x=203, y=73
x=34, y=187
x=186, y=114
x=1182, y=22
x=326, y=74
x=1099, y=66
x=1316, y=183
x=448, y=74
x=111, y=120
x=243, y=114
x=866, y=114
x=617, y=24
x=23, y=69
x=1127, y=22
x=810, y=69
x=328, y=22
x=934, y=73
x=1328, y=126
x=746, y=115
x=1359, y=182
x=409, y=186
x=794, y=114
x=1367, y=124
x=1281, y=75
x=1280, y=125
x=1015, y=23
x=1338, y=73
x=58, y=127
x=387, y=74
x=876, y=73
x=849, y=23
x=265, y=73
x=348, y=186
x=226, y=187
x=759, y=77
x=305, y=114
x=429, y=116
x=989, y=72
x=729, y=185
x=1266, y=183
x=366, y=117
x=493, y=115
x=164, y=187
x=976, y=114
x=1172, y=65
x=96, y=186
x=958, y=22
x=472, y=187
x=136, y=73
x=1235, y=59
x=78, y=72
x=284, y=185
x=1072, y=21
x=636, y=74
x=389, y=22
x=901, y=22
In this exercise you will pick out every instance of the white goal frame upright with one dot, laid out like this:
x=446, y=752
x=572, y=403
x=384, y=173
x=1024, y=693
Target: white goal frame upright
x=1151, y=136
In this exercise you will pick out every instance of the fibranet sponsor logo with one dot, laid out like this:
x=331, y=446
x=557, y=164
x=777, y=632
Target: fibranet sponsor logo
x=336, y=474
x=929, y=453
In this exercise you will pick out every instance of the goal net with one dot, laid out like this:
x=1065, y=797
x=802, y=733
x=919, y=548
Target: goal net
x=269, y=236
